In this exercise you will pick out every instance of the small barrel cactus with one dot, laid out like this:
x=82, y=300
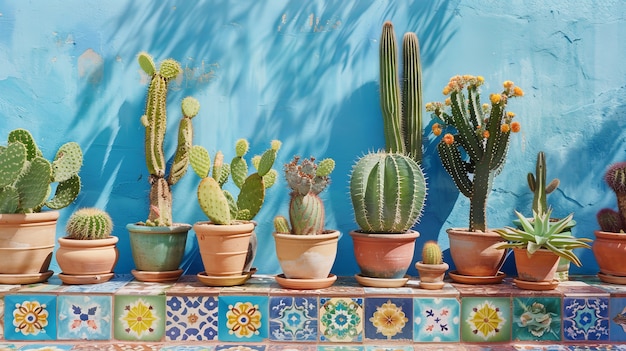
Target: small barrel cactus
x=306, y=209
x=431, y=253
x=89, y=224
x=388, y=192
x=609, y=219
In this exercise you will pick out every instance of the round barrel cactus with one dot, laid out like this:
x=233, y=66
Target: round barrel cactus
x=88, y=224
x=388, y=191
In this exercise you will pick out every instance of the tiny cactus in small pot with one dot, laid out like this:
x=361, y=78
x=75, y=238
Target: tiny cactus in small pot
x=431, y=253
x=431, y=269
x=89, y=224
x=609, y=219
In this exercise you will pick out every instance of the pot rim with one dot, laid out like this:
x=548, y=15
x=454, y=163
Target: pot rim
x=175, y=228
x=329, y=234
x=410, y=234
x=37, y=217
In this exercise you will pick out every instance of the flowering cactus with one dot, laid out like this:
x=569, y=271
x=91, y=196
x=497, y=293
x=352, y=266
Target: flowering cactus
x=306, y=210
x=481, y=131
x=219, y=204
x=609, y=219
x=155, y=122
x=26, y=176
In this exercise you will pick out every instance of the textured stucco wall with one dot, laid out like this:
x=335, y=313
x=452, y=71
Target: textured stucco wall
x=307, y=73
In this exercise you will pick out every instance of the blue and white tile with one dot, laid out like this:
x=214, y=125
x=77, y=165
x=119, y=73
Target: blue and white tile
x=341, y=319
x=436, y=320
x=586, y=318
x=191, y=318
x=293, y=318
x=86, y=317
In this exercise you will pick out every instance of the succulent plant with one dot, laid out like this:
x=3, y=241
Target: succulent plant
x=26, y=176
x=482, y=132
x=306, y=209
x=89, y=224
x=155, y=122
x=401, y=105
x=537, y=184
x=388, y=191
x=609, y=219
x=431, y=253
x=219, y=204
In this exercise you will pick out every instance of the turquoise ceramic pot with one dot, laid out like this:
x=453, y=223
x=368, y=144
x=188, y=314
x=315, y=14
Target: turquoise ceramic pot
x=158, y=249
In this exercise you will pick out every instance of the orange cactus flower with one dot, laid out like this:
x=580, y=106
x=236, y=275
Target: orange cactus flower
x=486, y=134
x=505, y=128
x=515, y=127
x=448, y=139
x=517, y=91
x=507, y=84
x=510, y=114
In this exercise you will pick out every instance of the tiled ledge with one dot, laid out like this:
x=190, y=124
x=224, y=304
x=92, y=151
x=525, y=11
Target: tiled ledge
x=124, y=314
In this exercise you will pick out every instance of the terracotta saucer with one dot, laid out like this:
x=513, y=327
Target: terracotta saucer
x=613, y=279
x=431, y=286
x=467, y=279
x=305, y=284
x=86, y=278
x=524, y=284
x=381, y=282
x=25, y=278
x=228, y=280
x=155, y=277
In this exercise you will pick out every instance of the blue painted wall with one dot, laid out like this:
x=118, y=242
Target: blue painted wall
x=307, y=73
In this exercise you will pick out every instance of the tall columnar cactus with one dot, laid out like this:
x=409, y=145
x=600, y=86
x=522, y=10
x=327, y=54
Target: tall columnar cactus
x=89, y=224
x=481, y=131
x=401, y=105
x=388, y=191
x=26, y=176
x=537, y=184
x=306, y=180
x=155, y=122
x=609, y=219
x=219, y=204
x=431, y=253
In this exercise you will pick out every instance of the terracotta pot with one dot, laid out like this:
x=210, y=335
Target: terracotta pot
x=223, y=248
x=83, y=257
x=475, y=253
x=431, y=275
x=158, y=249
x=539, y=267
x=609, y=250
x=306, y=256
x=384, y=255
x=27, y=242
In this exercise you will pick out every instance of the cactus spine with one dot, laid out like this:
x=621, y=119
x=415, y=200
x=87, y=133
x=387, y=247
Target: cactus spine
x=537, y=184
x=609, y=219
x=431, y=253
x=306, y=180
x=26, y=176
x=219, y=204
x=482, y=131
x=155, y=122
x=89, y=224
x=388, y=191
x=401, y=105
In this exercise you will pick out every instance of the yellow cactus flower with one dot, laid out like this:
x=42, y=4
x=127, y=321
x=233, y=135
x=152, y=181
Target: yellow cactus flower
x=505, y=128
x=510, y=114
x=446, y=90
x=507, y=84
x=495, y=98
x=517, y=91
x=448, y=102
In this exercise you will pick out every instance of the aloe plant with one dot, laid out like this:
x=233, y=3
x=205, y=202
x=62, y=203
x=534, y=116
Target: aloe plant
x=609, y=219
x=26, y=177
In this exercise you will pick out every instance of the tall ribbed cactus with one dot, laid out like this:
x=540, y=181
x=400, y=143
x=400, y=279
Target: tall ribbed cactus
x=89, y=224
x=155, y=122
x=219, y=204
x=609, y=219
x=537, y=184
x=306, y=180
x=388, y=191
x=26, y=176
x=482, y=131
x=401, y=105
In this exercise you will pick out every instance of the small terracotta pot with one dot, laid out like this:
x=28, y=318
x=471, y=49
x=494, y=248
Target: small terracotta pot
x=431, y=275
x=539, y=267
x=609, y=250
x=475, y=253
x=83, y=257
x=306, y=256
x=384, y=255
x=223, y=248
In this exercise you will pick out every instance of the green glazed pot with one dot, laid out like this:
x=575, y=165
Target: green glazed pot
x=158, y=249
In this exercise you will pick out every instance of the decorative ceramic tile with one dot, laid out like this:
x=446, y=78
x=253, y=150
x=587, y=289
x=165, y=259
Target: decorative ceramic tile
x=187, y=348
x=586, y=318
x=536, y=318
x=291, y=347
x=293, y=318
x=30, y=317
x=485, y=319
x=191, y=318
x=617, y=316
x=1, y=317
x=139, y=318
x=243, y=318
x=240, y=348
x=436, y=319
x=390, y=348
x=535, y=347
x=7, y=347
x=341, y=319
x=341, y=348
x=387, y=291
x=85, y=317
x=52, y=347
x=117, y=347
x=388, y=318
x=143, y=288
x=111, y=286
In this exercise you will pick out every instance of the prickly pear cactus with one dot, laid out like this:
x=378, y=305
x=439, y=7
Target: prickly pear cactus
x=609, y=219
x=431, y=253
x=89, y=224
x=26, y=176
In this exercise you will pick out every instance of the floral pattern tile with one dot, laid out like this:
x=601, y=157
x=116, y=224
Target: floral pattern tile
x=341, y=348
x=291, y=347
x=86, y=317
x=485, y=319
x=536, y=318
x=191, y=318
x=240, y=348
x=139, y=317
x=390, y=348
x=293, y=318
x=436, y=319
x=111, y=286
x=1, y=317
x=586, y=318
x=188, y=348
x=341, y=319
x=388, y=318
x=55, y=347
x=617, y=316
x=30, y=317
x=243, y=318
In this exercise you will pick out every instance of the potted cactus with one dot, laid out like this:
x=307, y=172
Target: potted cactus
x=227, y=241
x=28, y=214
x=87, y=254
x=306, y=250
x=158, y=244
x=388, y=191
x=609, y=246
x=431, y=268
x=473, y=152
